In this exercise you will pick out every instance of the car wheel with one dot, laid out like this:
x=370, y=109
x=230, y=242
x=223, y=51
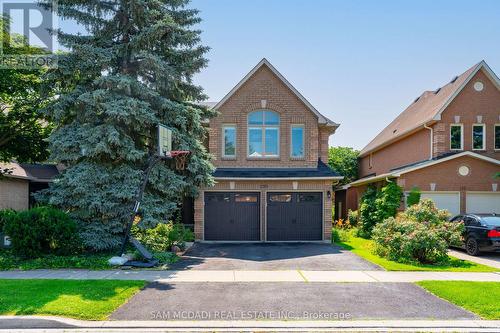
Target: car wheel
x=472, y=247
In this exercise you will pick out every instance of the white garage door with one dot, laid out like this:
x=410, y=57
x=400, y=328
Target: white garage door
x=444, y=200
x=483, y=202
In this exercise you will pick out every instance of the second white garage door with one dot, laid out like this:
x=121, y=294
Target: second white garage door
x=445, y=200
x=483, y=202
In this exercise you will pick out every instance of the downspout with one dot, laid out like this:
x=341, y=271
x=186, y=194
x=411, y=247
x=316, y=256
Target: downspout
x=432, y=140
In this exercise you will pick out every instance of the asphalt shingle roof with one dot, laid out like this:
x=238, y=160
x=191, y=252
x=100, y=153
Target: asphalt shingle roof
x=322, y=170
x=422, y=110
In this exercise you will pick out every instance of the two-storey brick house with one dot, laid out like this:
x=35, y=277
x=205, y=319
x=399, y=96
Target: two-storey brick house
x=270, y=146
x=446, y=143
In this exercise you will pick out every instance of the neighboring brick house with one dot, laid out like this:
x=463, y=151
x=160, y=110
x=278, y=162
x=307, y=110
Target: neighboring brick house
x=22, y=180
x=446, y=143
x=270, y=147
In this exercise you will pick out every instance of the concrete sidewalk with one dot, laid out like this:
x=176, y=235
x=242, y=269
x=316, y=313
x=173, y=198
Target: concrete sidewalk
x=251, y=276
x=21, y=323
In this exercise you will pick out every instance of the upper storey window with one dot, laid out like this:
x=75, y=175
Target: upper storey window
x=456, y=137
x=497, y=136
x=297, y=142
x=263, y=134
x=478, y=136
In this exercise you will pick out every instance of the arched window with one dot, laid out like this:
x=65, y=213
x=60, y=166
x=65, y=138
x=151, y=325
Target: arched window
x=263, y=134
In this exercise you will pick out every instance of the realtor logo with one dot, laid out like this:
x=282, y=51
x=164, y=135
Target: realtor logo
x=27, y=41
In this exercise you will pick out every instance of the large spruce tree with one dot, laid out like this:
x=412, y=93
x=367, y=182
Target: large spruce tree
x=131, y=71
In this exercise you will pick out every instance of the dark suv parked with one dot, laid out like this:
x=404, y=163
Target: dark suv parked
x=482, y=232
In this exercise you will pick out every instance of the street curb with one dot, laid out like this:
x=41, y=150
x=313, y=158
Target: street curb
x=356, y=325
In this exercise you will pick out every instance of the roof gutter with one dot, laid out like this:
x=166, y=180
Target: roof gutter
x=279, y=178
x=373, y=179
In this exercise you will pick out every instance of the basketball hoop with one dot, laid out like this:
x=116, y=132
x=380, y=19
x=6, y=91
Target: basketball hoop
x=180, y=157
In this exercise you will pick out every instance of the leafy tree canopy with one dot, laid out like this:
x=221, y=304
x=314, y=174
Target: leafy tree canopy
x=344, y=160
x=23, y=131
x=131, y=71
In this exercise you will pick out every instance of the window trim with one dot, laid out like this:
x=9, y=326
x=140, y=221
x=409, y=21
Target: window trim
x=494, y=137
x=224, y=126
x=484, y=137
x=263, y=128
x=292, y=126
x=461, y=136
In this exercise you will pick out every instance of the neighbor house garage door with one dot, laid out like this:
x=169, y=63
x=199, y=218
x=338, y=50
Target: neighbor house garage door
x=294, y=216
x=444, y=200
x=483, y=202
x=232, y=216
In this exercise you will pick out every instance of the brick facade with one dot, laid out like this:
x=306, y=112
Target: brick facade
x=263, y=187
x=467, y=106
x=14, y=194
x=264, y=90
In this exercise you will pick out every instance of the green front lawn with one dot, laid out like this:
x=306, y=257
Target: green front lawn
x=482, y=298
x=364, y=248
x=81, y=299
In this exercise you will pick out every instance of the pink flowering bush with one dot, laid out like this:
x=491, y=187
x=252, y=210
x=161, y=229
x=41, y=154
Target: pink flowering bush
x=420, y=234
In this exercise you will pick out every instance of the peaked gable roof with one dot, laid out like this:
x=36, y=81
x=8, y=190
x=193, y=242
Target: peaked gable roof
x=427, y=108
x=264, y=62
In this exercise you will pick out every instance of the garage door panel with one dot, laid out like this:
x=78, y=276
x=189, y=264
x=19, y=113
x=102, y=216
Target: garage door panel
x=483, y=203
x=232, y=216
x=294, y=216
x=444, y=200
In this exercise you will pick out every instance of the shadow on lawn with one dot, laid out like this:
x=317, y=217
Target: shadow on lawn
x=26, y=297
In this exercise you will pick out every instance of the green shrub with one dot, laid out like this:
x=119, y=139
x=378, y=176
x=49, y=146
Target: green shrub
x=413, y=197
x=420, y=234
x=368, y=212
x=388, y=201
x=162, y=237
x=42, y=230
x=341, y=235
x=378, y=205
x=353, y=217
x=5, y=216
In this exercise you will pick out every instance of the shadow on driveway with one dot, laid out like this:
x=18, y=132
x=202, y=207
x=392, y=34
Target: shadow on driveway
x=270, y=256
x=286, y=301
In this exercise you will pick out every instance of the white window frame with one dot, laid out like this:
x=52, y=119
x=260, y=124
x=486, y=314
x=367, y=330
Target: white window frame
x=263, y=128
x=370, y=161
x=292, y=126
x=494, y=137
x=461, y=136
x=484, y=137
x=224, y=140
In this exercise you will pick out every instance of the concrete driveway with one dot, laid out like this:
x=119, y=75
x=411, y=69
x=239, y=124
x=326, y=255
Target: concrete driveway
x=271, y=256
x=487, y=258
x=286, y=301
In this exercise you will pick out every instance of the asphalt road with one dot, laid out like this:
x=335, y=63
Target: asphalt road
x=271, y=256
x=286, y=301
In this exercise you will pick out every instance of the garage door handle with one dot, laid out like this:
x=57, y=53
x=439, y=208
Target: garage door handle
x=231, y=221
x=294, y=220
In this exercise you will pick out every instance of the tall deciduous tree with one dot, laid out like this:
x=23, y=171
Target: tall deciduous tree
x=132, y=70
x=344, y=160
x=23, y=131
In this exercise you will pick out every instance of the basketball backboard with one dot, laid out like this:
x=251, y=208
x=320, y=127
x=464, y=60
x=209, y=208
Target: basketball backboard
x=164, y=140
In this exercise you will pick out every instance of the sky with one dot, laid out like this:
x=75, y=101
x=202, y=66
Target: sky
x=359, y=62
